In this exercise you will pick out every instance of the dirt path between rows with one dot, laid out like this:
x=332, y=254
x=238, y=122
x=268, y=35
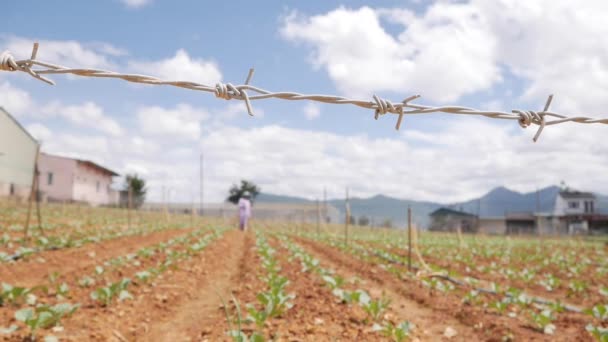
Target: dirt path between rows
x=65, y=261
x=202, y=312
x=487, y=325
x=430, y=324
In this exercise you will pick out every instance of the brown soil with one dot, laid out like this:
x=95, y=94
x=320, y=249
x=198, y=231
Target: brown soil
x=588, y=298
x=488, y=325
x=37, y=268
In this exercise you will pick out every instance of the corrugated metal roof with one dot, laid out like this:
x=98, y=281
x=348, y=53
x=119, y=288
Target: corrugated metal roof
x=448, y=211
x=576, y=194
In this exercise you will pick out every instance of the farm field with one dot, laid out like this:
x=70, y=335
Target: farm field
x=95, y=274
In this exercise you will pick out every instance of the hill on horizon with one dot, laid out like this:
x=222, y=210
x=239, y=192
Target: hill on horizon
x=497, y=202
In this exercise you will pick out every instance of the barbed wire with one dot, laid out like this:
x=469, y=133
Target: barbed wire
x=228, y=91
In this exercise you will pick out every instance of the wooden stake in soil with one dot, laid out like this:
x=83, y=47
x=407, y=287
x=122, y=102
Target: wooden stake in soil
x=32, y=193
x=409, y=238
x=318, y=218
x=129, y=204
x=347, y=221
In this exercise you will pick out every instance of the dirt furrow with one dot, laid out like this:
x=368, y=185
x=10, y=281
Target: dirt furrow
x=431, y=324
x=31, y=272
x=201, y=312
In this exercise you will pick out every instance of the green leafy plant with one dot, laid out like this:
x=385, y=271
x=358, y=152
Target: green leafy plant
x=375, y=308
x=44, y=316
x=238, y=335
x=86, y=281
x=105, y=295
x=599, y=333
x=543, y=321
x=16, y=295
x=599, y=311
x=398, y=333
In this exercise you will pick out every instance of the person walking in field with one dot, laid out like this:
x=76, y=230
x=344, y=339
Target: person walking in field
x=244, y=210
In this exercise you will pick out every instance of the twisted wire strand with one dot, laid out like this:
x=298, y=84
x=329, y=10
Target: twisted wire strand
x=228, y=91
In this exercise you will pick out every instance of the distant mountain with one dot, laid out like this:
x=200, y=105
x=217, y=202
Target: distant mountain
x=501, y=200
x=497, y=202
x=270, y=198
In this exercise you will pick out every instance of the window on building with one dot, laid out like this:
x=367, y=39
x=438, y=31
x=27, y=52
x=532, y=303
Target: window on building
x=49, y=178
x=589, y=207
x=573, y=205
x=97, y=186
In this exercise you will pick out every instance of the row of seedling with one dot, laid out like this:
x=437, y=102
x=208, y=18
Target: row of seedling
x=374, y=308
x=273, y=302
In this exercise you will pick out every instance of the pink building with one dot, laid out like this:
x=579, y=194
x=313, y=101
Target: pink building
x=75, y=180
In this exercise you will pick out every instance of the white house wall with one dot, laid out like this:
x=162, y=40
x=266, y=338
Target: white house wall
x=17, y=156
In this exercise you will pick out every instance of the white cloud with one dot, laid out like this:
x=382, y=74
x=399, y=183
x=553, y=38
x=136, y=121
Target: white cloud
x=444, y=54
x=457, y=48
x=14, y=100
x=312, y=110
x=87, y=114
x=181, y=122
x=39, y=131
x=136, y=3
x=180, y=67
x=19, y=103
x=63, y=52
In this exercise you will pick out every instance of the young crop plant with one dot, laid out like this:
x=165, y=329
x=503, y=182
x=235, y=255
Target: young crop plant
x=599, y=312
x=105, y=295
x=16, y=295
x=599, y=333
x=238, y=335
x=375, y=308
x=44, y=316
x=397, y=333
x=577, y=287
x=543, y=321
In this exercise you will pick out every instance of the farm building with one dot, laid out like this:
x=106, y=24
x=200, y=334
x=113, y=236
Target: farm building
x=574, y=212
x=449, y=220
x=75, y=180
x=18, y=151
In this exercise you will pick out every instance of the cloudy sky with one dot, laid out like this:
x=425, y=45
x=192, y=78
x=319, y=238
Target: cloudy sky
x=499, y=55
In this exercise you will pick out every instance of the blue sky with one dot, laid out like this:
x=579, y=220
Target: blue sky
x=486, y=54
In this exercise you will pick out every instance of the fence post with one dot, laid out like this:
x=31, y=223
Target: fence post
x=409, y=238
x=129, y=205
x=318, y=218
x=347, y=221
x=33, y=193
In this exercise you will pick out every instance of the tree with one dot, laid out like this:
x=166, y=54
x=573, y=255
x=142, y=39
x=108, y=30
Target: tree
x=138, y=189
x=236, y=192
x=363, y=220
x=388, y=223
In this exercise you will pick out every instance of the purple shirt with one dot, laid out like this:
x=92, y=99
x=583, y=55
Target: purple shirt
x=244, y=207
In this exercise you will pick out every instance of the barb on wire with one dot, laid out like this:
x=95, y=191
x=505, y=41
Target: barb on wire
x=229, y=91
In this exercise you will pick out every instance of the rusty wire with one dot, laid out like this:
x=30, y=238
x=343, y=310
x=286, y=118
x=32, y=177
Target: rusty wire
x=229, y=91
